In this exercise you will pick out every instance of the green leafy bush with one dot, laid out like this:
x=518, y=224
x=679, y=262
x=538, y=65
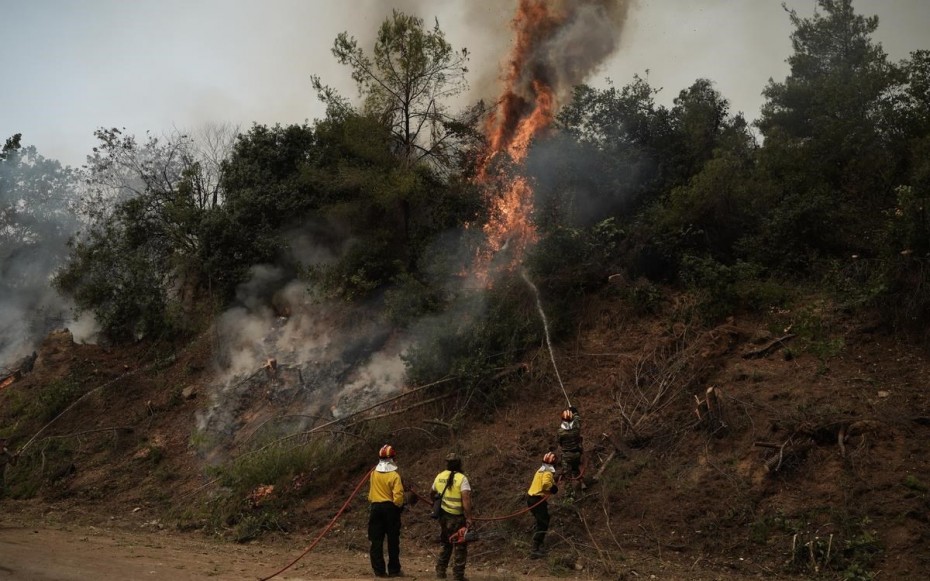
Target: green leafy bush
x=55, y=397
x=479, y=333
x=729, y=289
x=260, y=485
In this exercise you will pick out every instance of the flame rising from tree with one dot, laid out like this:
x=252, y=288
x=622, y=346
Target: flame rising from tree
x=557, y=45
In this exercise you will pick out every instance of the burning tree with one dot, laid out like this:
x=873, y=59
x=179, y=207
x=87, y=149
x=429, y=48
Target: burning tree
x=558, y=43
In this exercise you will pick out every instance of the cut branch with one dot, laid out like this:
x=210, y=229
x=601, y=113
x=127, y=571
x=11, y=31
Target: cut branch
x=769, y=348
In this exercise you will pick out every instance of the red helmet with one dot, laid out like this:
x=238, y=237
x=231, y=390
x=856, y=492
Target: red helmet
x=387, y=451
x=549, y=458
x=567, y=415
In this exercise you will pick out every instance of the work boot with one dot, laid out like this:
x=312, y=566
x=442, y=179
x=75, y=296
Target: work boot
x=538, y=551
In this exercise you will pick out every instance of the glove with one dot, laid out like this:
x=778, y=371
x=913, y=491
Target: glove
x=553, y=489
x=573, y=409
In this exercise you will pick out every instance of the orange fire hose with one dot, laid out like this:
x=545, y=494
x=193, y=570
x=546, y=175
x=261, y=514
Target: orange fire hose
x=495, y=518
x=427, y=501
x=325, y=530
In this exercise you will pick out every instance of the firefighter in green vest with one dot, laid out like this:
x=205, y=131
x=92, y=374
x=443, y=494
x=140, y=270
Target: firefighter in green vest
x=570, y=443
x=452, y=487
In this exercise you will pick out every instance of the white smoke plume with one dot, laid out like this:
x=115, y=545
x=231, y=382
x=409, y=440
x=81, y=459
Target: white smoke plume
x=37, y=201
x=281, y=352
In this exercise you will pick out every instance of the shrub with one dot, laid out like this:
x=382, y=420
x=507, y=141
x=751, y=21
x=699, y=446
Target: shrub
x=408, y=300
x=260, y=484
x=44, y=463
x=55, y=397
x=728, y=289
x=569, y=262
x=477, y=335
x=278, y=464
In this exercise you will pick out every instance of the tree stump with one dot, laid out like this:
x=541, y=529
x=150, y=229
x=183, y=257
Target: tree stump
x=710, y=411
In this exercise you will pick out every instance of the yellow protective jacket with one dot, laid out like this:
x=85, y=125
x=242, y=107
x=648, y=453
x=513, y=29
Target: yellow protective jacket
x=452, y=499
x=543, y=480
x=386, y=487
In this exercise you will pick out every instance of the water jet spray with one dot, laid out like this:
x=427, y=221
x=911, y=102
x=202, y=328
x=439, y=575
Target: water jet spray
x=542, y=315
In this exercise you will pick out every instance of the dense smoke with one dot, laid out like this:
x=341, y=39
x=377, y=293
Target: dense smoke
x=283, y=352
x=558, y=45
x=37, y=199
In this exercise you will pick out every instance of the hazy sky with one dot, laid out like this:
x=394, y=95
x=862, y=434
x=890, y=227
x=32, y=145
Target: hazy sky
x=71, y=66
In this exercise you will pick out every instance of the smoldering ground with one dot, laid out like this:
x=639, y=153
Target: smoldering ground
x=285, y=356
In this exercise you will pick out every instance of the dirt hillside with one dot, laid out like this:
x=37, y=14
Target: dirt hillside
x=809, y=461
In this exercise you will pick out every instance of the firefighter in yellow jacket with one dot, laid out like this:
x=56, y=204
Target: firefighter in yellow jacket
x=386, y=495
x=542, y=486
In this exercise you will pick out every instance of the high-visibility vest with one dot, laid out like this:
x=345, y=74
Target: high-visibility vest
x=452, y=499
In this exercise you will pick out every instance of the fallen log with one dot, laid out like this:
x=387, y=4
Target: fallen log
x=788, y=451
x=613, y=453
x=8, y=380
x=603, y=467
x=769, y=347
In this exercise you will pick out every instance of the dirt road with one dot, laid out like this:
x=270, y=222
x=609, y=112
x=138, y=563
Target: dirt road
x=40, y=544
x=91, y=553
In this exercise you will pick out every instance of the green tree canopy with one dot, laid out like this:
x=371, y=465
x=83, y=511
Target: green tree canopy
x=406, y=83
x=38, y=213
x=825, y=148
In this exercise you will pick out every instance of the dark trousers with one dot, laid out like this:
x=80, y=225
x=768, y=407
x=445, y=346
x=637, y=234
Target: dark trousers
x=541, y=514
x=384, y=521
x=571, y=463
x=458, y=553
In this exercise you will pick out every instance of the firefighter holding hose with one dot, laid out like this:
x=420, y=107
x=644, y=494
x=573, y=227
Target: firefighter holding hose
x=570, y=443
x=541, y=488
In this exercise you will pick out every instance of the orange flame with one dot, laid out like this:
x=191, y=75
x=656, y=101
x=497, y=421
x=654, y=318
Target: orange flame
x=525, y=109
x=557, y=44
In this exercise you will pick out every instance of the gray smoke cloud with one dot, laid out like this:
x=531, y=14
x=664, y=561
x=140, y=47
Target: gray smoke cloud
x=282, y=352
x=331, y=358
x=566, y=44
x=37, y=216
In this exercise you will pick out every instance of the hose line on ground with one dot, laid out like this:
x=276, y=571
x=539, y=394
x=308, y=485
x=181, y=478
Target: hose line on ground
x=325, y=530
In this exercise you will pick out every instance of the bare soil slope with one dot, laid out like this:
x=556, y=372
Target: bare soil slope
x=816, y=467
